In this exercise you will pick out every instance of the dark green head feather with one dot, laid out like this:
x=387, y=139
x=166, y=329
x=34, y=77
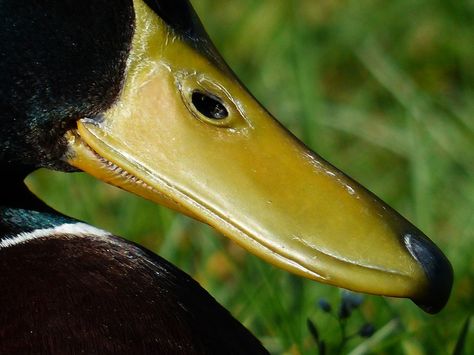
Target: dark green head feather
x=59, y=61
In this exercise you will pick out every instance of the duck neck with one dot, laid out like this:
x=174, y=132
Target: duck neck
x=16, y=200
x=13, y=191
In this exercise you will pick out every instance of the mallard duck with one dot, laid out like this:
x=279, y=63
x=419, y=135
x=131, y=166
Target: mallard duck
x=135, y=94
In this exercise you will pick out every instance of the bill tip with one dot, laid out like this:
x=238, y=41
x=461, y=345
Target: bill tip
x=437, y=269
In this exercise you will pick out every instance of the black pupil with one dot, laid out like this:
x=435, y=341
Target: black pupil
x=209, y=106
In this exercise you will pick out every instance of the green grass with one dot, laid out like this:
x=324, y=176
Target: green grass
x=385, y=91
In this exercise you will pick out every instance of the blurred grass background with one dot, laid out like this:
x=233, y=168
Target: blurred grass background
x=383, y=90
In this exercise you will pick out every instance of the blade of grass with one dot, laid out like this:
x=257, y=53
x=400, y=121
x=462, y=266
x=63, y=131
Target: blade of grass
x=461, y=342
x=387, y=330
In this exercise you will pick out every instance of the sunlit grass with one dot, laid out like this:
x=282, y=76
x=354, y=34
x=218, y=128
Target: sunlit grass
x=385, y=91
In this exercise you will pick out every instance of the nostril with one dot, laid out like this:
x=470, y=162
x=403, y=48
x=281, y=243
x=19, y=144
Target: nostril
x=437, y=268
x=209, y=105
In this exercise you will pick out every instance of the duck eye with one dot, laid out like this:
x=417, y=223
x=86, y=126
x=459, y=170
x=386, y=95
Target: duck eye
x=209, y=105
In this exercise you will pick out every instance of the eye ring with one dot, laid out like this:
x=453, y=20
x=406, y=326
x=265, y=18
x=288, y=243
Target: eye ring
x=209, y=105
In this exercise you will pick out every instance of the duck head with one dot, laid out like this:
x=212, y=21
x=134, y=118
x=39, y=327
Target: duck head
x=135, y=93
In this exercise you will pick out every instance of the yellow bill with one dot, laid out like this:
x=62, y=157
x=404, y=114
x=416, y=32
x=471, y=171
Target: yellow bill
x=185, y=133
